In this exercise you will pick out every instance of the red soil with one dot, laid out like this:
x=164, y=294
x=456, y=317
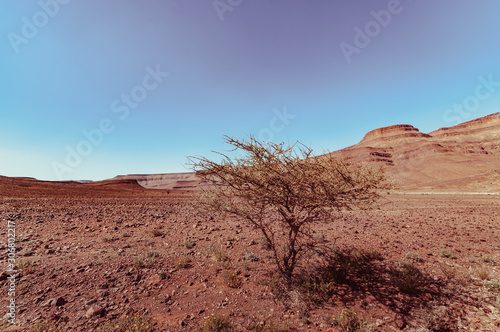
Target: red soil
x=83, y=244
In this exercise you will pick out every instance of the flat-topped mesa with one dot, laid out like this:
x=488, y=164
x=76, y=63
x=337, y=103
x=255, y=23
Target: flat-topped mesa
x=492, y=120
x=396, y=131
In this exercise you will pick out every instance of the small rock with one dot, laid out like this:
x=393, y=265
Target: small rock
x=60, y=301
x=91, y=301
x=48, y=303
x=94, y=311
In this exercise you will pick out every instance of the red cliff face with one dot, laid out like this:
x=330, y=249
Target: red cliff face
x=465, y=157
x=489, y=124
x=402, y=130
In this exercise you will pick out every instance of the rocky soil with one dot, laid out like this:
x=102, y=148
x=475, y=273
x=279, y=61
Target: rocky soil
x=87, y=254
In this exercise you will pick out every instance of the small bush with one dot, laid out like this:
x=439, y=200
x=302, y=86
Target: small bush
x=347, y=320
x=448, y=254
x=367, y=255
x=188, y=244
x=26, y=266
x=278, y=287
x=250, y=256
x=47, y=326
x=218, y=323
x=128, y=323
x=147, y=260
x=150, y=258
x=183, y=263
x=483, y=273
x=272, y=325
x=231, y=279
x=264, y=178
x=163, y=275
x=488, y=259
x=493, y=286
x=407, y=277
x=138, y=262
x=220, y=255
x=317, y=287
x=437, y=319
x=414, y=256
x=449, y=272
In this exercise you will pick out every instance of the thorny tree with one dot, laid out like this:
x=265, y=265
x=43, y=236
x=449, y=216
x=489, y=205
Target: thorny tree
x=283, y=190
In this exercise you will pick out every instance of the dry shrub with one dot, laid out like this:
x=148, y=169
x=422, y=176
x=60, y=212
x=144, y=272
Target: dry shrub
x=188, y=243
x=483, y=273
x=414, y=256
x=449, y=272
x=132, y=322
x=284, y=191
x=488, y=259
x=448, y=254
x=44, y=326
x=183, y=263
x=346, y=320
x=407, y=277
x=218, y=323
x=26, y=265
x=493, y=286
x=272, y=324
x=438, y=319
x=231, y=279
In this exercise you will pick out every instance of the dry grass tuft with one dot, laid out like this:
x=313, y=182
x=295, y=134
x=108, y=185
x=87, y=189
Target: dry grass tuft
x=231, y=279
x=483, y=273
x=47, y=326
x=183, y=263
x=448, y=254
x=218, y=323
x=128, y=323
x=407, y=277
x=449, y=272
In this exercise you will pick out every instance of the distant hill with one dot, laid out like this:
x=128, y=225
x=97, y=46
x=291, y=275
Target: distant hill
x=462, y=158
x=170, y=181
x=15, y=186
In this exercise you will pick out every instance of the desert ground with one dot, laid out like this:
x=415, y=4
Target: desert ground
x=90, y=254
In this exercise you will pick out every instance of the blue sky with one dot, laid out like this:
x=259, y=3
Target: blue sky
x=92, y=89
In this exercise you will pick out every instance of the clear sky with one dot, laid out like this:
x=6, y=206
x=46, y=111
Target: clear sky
x=92, y=89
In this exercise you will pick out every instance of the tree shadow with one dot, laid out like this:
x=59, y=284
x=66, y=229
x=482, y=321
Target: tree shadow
x=353, y=276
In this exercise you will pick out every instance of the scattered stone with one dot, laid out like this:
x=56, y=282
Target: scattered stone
x=91, y=301
x=94, y=311
x=60, y=301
